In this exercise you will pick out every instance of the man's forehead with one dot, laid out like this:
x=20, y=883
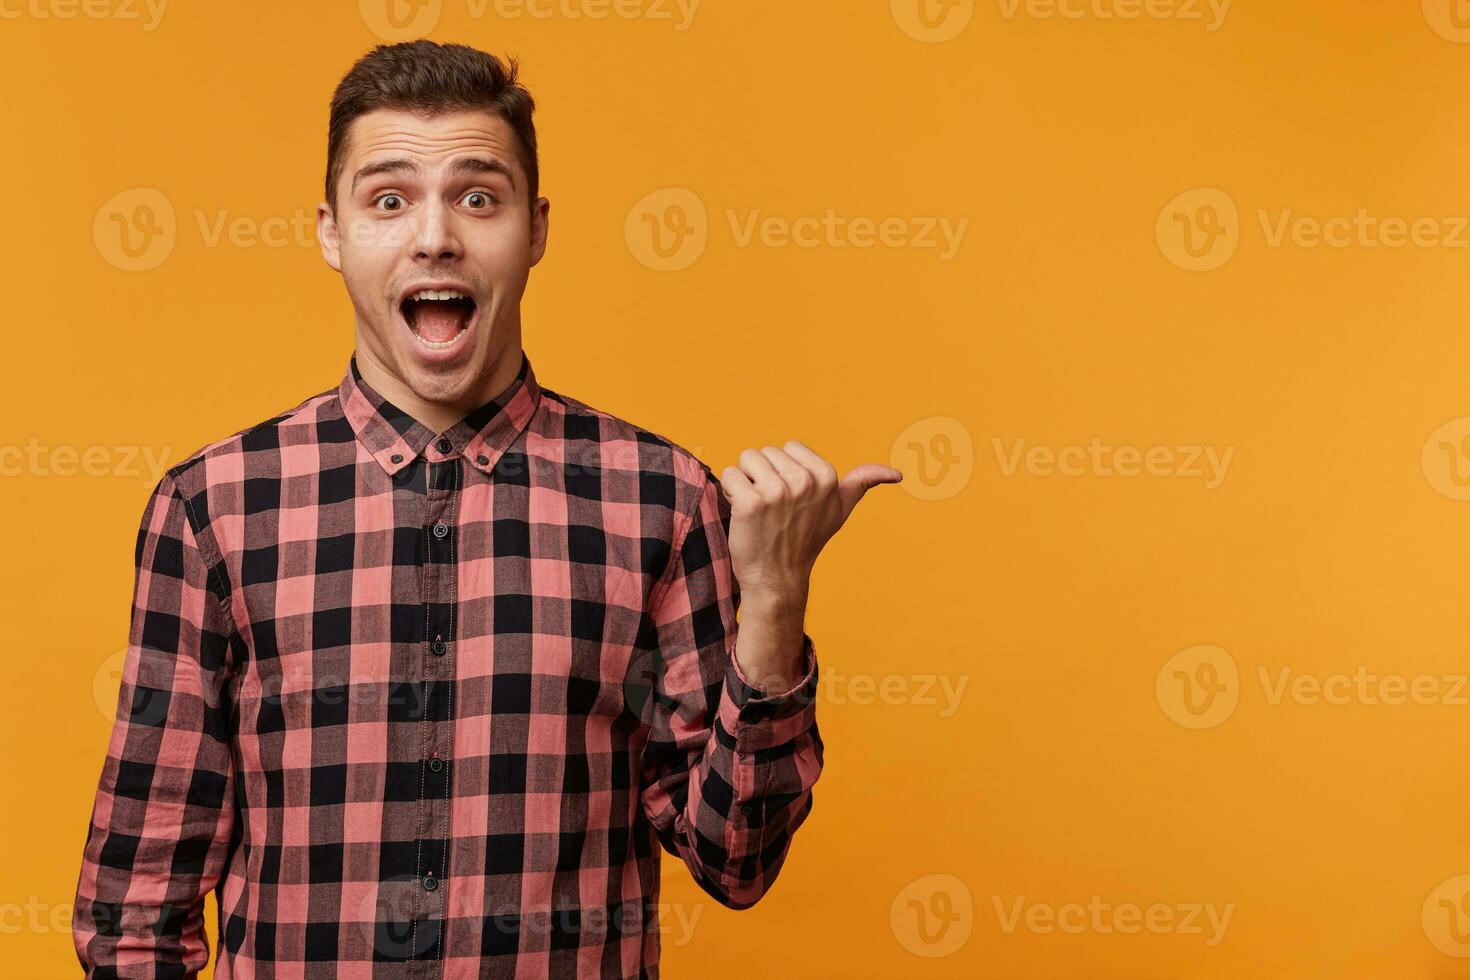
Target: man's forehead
x=402, y=133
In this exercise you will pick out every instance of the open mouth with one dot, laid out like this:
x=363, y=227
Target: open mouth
x=438, y=317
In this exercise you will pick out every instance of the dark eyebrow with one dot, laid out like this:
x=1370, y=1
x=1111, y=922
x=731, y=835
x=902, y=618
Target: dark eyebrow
x=483, y=165
x=464, y=165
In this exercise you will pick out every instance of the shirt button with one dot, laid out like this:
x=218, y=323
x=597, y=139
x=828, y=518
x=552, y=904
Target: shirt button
x=445, y=445
x=745, y=809
x=436, y=765
x=438, y=647
x=441, y=529
x=430, y=882
x=482, y=459
x=397, y=458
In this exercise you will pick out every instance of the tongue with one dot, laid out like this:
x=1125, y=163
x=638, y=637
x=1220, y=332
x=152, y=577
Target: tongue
x=438, y=322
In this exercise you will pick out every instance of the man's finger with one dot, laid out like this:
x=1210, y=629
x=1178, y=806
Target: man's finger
x=809, y=458
x=860, y=480
x=760, y=471
x=791, y=471
x=735, y=485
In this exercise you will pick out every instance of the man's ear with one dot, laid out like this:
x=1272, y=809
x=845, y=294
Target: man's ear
x=540, y=228
x=327, y=235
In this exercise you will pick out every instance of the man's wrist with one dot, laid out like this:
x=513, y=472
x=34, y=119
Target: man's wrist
x=781, y=603
x=770, y=650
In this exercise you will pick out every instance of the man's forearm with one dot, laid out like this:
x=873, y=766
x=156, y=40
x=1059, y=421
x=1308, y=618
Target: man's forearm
x=768, y=646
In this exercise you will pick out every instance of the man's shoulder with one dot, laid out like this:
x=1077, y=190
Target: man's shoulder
x=598, y=437
x=238, y=456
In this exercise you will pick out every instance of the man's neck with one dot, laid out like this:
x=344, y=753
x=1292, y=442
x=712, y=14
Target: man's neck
x=439, y=416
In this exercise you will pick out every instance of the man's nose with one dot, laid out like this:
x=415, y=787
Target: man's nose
x=435, y=236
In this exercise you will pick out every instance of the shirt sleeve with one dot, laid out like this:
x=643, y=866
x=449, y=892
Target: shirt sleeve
x=727, y=770
x=164, y=812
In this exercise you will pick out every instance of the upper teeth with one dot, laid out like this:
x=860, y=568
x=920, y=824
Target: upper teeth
x=438, y=294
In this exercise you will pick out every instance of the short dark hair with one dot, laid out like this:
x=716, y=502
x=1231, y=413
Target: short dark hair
x=428, y=78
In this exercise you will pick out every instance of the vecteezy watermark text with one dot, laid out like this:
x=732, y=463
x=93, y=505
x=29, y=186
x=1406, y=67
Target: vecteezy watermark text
x=668, y=230
x=148, y=12
x=38, y=460
x=1211, y=13
x=1199, y=462
x=1104, y=918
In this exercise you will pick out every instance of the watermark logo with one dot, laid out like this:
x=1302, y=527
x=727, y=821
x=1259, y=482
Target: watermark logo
x=1446, y=458
x=1363, y=687
x=35, y=459
x=1362, y=230
x=1446, y=916
x=146, y=707
x=942, y=692
x=1199, y=229
x=1208, y=464
x=1198, y=687
x=936, y=455
x=404, y=20
x=35, y=916
x=396, y=917
x=1450, y=19
x=106, y=681
x=149, y=13
x=135, y=229
x=389, y=914
x=1210, y=13
x=933, y=21
x=668, y=229
x=933, y=916
x=400, y=20
x=679, y=13
x=831, y=229
x=1204, y=919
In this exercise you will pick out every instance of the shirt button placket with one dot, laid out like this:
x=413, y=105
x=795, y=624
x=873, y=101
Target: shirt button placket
x=440, y=580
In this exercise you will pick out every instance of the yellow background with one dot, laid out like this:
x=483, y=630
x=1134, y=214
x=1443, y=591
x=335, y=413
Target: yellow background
x=1334, y=543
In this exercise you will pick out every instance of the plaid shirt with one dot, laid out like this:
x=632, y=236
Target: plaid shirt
x=429, y=705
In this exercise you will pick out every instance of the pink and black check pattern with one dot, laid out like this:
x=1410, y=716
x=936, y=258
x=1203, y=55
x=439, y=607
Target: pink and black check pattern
x=433, y=705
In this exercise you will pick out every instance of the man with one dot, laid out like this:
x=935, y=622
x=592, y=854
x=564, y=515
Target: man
x=424, y=671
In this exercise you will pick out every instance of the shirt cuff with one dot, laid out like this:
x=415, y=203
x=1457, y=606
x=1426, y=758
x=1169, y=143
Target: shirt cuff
x=760, y=720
